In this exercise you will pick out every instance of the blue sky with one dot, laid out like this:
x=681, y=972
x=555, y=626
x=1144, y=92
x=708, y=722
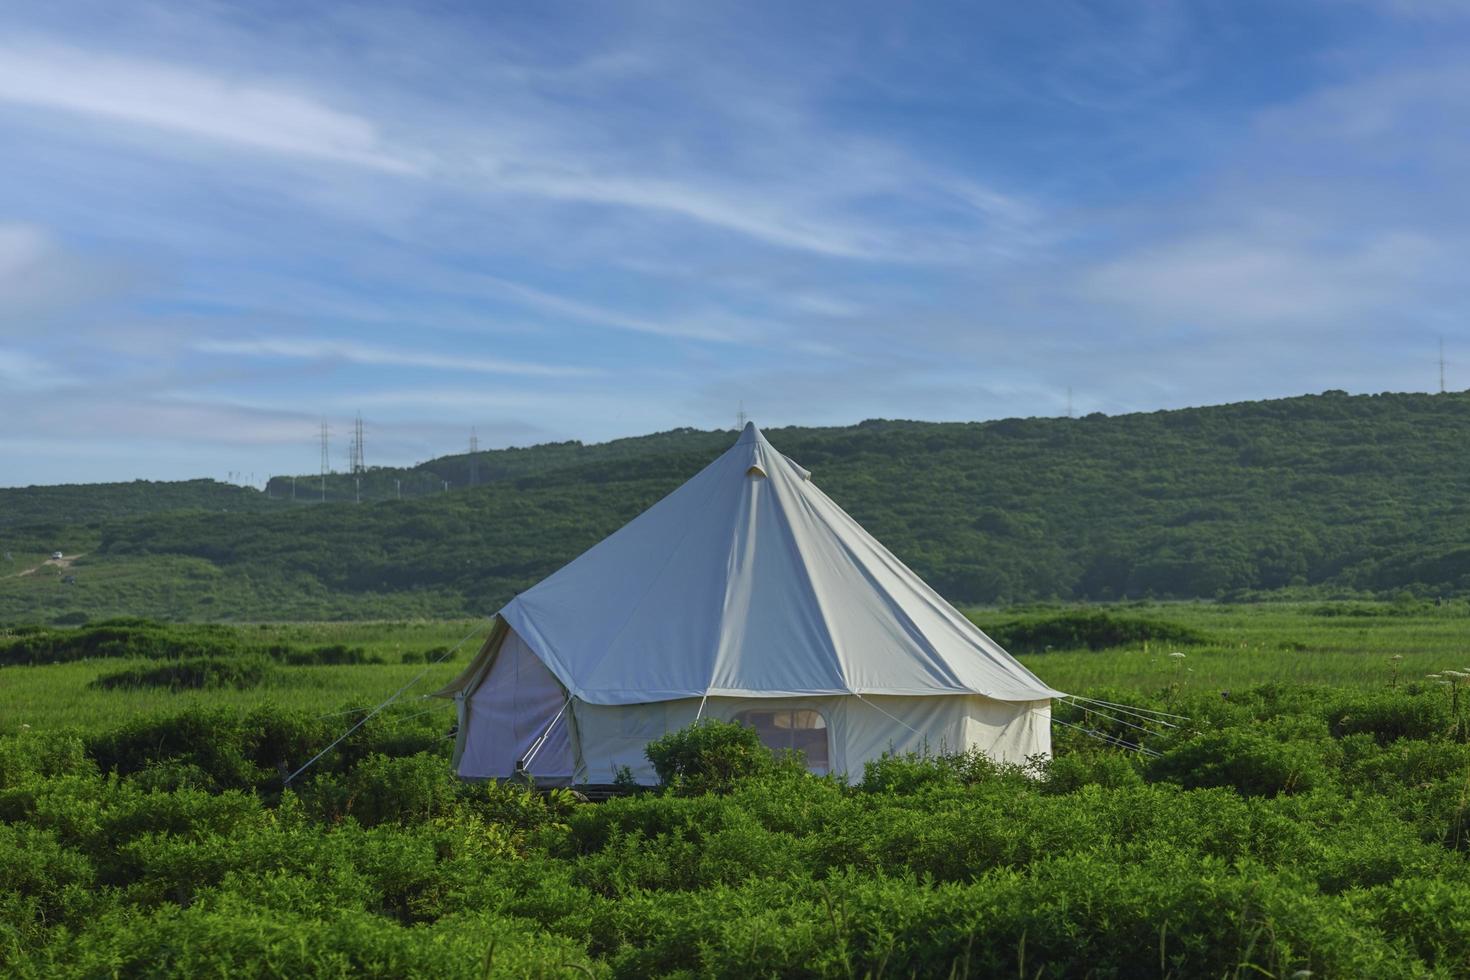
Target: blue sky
x=223, y=222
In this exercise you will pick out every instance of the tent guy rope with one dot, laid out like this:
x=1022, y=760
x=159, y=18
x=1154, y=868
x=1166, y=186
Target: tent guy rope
x=1132, y=710
x=1116, y=721
x=1110, y=739
x=887, y=715
x=391, y=698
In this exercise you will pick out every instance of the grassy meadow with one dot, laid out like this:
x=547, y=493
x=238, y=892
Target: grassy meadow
x=1345, y=644
x=1313, y=821
x=62, y=695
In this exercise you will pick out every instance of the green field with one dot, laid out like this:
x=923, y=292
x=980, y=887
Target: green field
x=1338, y=644
x=1312, y=815
x=1350, y=645
x=60, y=695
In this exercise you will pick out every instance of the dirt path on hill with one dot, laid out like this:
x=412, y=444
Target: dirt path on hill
x=61, y=563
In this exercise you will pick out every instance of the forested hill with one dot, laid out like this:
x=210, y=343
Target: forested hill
x=82, y=503
x=1317, y=494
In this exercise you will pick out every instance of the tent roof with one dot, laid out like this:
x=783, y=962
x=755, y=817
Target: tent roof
x=748, y=581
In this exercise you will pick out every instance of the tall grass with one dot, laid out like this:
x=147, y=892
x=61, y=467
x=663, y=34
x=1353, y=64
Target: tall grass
x=1341, y=644
x=62, y=695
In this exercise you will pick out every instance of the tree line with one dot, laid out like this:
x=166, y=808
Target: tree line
x=1317, y=495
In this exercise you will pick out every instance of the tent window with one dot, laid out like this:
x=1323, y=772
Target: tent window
x=801, y=729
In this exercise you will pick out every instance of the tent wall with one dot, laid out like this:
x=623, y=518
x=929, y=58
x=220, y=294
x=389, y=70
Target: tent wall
x=508, y=711
x=1007, y=731
x=859, y=730
x=610, y=737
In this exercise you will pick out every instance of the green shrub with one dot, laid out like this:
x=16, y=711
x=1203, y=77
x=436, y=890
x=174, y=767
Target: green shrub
x=1392, y=715
x=1430, y=916
x=708, y=756
x=194, y=673
x=146, y=639
x=232, y=750
x=1094, y=630
x=333, y=655
x=31, y=754
x=41, y=882
x=223, y=936
x=139, y=638
x=1109, y=769
x=914, y=772
x=380, y=789
x=1267, y=844
x=520, y=808
x=1252, y=762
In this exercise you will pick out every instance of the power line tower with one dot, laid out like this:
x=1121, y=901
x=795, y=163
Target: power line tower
x=1441, y=365
x=474, y=458
x=740, y=418
x=326, y=461
x=356, y=464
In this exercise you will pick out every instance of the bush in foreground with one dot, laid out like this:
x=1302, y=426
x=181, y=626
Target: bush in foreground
x=708, y=757
x=168, y=847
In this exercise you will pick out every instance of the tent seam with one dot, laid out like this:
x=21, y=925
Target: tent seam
x=806, y=575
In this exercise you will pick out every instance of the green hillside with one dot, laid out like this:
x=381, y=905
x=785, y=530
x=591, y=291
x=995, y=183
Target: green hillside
x=1326, y=494
x=83, y=502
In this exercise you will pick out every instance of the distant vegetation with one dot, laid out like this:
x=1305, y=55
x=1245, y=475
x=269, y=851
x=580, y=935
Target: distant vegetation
x=1092, y=630
x=194, y=673
x=82, y=503
x=1326, y=495
x=142, y=638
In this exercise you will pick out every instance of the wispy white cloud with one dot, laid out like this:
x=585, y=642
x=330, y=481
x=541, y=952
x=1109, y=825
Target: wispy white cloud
x=795, y=183
x=39, y=278
x=356, y=353
x=821, y=304
x=1239, y=281
x=22, y=371
x=696, y=200
x=246, y=112
x=21, y=249
x=804, y=189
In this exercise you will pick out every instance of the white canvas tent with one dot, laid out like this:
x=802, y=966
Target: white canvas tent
x=746, y=595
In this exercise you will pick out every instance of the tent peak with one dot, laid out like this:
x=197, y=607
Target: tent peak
x=749, y=434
